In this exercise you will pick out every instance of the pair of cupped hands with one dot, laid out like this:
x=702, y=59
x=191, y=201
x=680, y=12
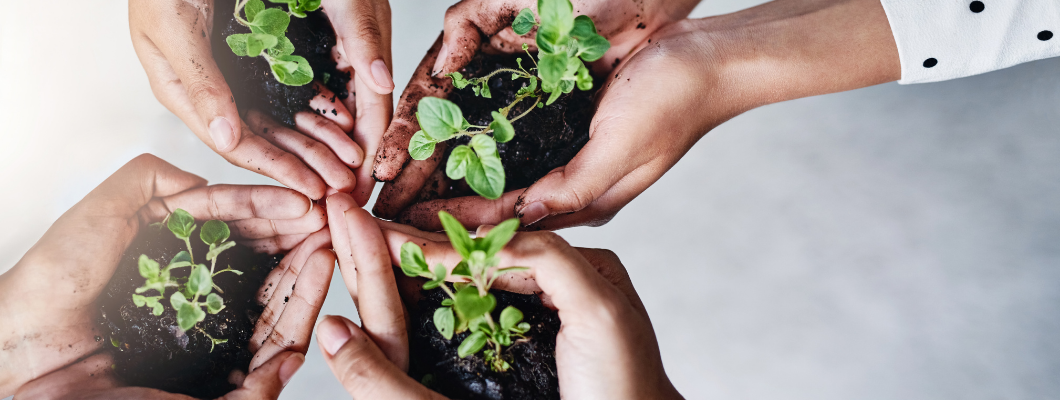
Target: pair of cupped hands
x=52, y=348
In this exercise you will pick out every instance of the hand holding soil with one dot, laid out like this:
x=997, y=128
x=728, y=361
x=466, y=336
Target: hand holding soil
x=606, y=348
x=173, y=41
x=49, y=305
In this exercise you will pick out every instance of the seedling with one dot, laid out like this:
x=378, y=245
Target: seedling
x=267, y=37
x=564, y=44
x=470, y=304
x=196, y=291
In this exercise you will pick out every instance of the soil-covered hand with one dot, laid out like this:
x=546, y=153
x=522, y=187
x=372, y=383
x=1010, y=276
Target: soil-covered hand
x=172, y=40
x=605, y=349
x=625, y=24
x=51, y=346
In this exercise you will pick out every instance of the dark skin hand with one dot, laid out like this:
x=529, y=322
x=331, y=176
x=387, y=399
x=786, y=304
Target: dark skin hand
x=48, y=299
x=683, y=81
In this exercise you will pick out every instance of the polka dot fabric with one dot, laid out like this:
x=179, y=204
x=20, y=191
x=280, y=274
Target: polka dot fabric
x=946, y=39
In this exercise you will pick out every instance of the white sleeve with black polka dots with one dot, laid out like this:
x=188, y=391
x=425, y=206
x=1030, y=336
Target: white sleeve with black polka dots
x=946, y=39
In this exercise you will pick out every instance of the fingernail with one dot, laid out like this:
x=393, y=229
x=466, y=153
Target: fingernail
x=533, y=213
x=332, y=334
x=222, y=133
x=289, y=367
x=440, y=62
x=382, y=75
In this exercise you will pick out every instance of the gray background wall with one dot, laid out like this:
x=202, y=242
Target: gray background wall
x=894, y=242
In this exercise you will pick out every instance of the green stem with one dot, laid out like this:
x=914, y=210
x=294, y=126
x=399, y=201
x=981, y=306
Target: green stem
x=447, y=291
x=536, y=100
x=514, y=71
x=190, y=254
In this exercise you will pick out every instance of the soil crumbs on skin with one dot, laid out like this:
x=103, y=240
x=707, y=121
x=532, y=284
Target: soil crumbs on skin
x=545, y=139
x=251, y=79
x=434, y=360
x=151, y=350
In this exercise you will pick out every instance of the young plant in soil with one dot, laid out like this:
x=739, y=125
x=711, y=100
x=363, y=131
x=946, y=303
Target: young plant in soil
x=267, y=38
x=196, y=291
x=564, y=44
x=469, y=304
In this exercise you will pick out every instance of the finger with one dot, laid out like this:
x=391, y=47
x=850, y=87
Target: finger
x=294, y=327
x=89, y=375
x=261, y=228
x=278, y=292
x=364, y=370
x=328, y=105
x=233, y=202
x=374, y=112
x=361, y=36
x=399, y=193
x=469, y=210
x=332, y=135
x=379, y=306
x=297, y=256
x=269, y=379
x=610, y=267
x=315, y=154
x=337, y=204
x=276, y=244
x=180, y=40
x=393, y=151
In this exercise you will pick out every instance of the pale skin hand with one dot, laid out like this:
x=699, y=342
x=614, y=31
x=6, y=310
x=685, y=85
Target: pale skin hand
x=692, y=76
x=172, y=40
x=605, y=349
x=48, y=299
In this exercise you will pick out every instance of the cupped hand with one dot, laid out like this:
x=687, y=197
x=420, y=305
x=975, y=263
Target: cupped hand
x=606, y=347
x=172, y=41
x=625, y=24
x=52, y=347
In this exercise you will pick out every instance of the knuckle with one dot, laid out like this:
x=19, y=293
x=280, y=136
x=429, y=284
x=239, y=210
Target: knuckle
x=202, y=90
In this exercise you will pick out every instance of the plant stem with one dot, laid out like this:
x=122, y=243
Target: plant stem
x=536, y=100
x=514, y=71
x=191, y=255
x=447, y=291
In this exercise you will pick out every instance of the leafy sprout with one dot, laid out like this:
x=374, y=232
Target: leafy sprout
x=267, y=37
x=469, y=305
x=565, y=43
x=195, y=292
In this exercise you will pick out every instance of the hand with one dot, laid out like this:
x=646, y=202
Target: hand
x=605, y=349
x=48, y=299
x=172, y=40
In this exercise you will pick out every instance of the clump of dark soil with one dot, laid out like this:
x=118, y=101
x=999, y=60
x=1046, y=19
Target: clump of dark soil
x=151, y=350
x=251, y=79
x=545, y=139
x=434, y=360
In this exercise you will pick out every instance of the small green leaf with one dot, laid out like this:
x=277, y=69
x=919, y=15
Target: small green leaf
x=583, y=27
x=238, y=43
x=462, y=269
x=148, y=268
x=181, y=224
x=189, y=315
x=258, y=42
x=499, y=236
x=557, y=20
x=216, y=251
x=524, y=22
x=177, y=300
x=485, y=91
x=412, y=261
x=502, y=128
x=523, y=327
x=114, y=342
x=551, y=68
x=510, y=317
x=552, y=98
x=252, y=8
x=310, y=5
x=157, y=309
x=440, y=118
x=584, y=80
x=214, y=303
x=182, y=257
x=214, y=232
x=528, y=89
x=283, y=48
x=484, y=145
x=438, y=277
x=458, y=236
x=200, y=282
x=471, y=344
x=447, y=302
x=421, y=147
x=592, y=48
x=485, y=175
x=301, y=74
x=456, y=167
x=469, y=305
x=139, y=300
x=458, y=80
x=273, y=21
x=445, y=322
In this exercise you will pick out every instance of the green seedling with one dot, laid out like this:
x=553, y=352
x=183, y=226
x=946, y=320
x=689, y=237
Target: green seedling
x=195, y=292
x=470, y=304
x=267, y=37
x=565, y=43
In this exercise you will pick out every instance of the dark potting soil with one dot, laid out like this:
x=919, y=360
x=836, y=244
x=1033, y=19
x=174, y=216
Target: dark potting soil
x=151, y=350
x=251, y=79
x=545, y=139
x=532, y=375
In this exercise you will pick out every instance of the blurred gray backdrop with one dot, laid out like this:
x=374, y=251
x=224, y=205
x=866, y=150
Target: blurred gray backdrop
x=894, y=242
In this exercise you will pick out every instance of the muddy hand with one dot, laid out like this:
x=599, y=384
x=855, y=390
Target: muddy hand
x=606, y=348
x=47, y=300
x=626, y=24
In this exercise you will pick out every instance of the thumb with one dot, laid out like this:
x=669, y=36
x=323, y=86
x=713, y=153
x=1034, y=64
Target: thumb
x=361, y=367
x=268, y=380
x=362, y=27
x=460, y=42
